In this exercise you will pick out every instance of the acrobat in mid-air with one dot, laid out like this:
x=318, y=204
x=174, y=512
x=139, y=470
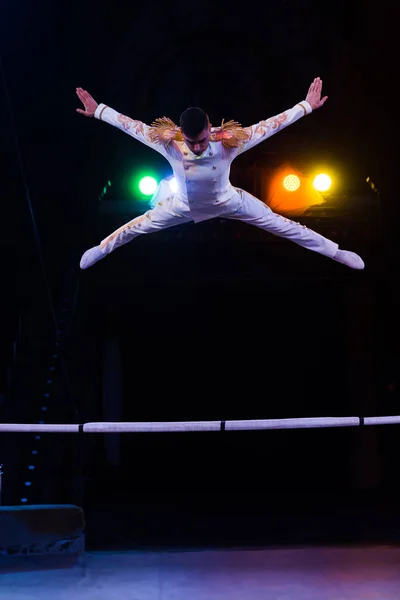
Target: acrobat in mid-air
x=200, y=156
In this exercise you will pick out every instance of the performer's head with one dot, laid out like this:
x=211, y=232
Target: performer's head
x=196, y=129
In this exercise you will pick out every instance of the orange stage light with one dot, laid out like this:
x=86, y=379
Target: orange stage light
x=291, y=193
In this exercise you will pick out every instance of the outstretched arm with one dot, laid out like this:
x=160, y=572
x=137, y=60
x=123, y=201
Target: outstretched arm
x=137, y=129
x=88, y=102
x=314, y=94
x=264, y=129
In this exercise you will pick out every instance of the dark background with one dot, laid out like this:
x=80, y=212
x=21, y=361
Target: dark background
x=213, y=321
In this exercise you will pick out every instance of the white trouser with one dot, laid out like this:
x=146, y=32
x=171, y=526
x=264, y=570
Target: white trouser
x=243, y=207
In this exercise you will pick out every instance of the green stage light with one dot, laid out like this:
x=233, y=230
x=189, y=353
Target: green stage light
x=147, y=185
x=142, y=184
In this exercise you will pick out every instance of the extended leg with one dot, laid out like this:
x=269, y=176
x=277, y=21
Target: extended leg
x=253, y=211
x=163, y=215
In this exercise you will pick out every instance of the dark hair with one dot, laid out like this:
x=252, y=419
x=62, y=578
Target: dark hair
x=193, y=121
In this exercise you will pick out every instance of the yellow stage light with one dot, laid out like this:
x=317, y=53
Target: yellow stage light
x=322, y=182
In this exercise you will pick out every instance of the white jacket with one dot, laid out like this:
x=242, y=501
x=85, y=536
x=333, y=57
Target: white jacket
x=203, y=181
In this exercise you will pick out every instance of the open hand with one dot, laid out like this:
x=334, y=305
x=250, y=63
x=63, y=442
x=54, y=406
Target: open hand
x=88, y=102
x=314, y=94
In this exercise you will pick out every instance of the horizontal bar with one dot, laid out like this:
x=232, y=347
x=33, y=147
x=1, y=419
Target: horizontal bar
x=382, y=420
x=193, y=426
x=38, y=428
x=155, y=427
x=308, y=422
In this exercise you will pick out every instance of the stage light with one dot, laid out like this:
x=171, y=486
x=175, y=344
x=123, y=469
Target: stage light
x=141, y=185
x=165, y=188
x=291, y=182
x=147, y=185
x=173, y=185
x=322, y=182
x=289, y=191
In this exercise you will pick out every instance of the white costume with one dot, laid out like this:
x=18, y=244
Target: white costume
x=204, y=190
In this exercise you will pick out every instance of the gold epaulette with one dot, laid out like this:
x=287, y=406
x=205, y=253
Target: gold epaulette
x=231, y=134
x=164, y=131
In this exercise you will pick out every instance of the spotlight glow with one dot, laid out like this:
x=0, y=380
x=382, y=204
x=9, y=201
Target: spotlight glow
x=322, y=182
x=147, y=185
x=173, y=185
x=291, y=183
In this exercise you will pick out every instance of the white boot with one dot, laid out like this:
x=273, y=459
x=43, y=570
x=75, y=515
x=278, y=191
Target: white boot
x=91, y=256
x=351, y=259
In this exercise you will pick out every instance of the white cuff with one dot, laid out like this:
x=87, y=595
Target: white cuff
x=305, y=106
x=99, y=110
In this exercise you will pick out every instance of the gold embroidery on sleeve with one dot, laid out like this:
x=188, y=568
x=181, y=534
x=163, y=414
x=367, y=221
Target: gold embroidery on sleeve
x=278, y=121
x=273, y=123
x=128, y=123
